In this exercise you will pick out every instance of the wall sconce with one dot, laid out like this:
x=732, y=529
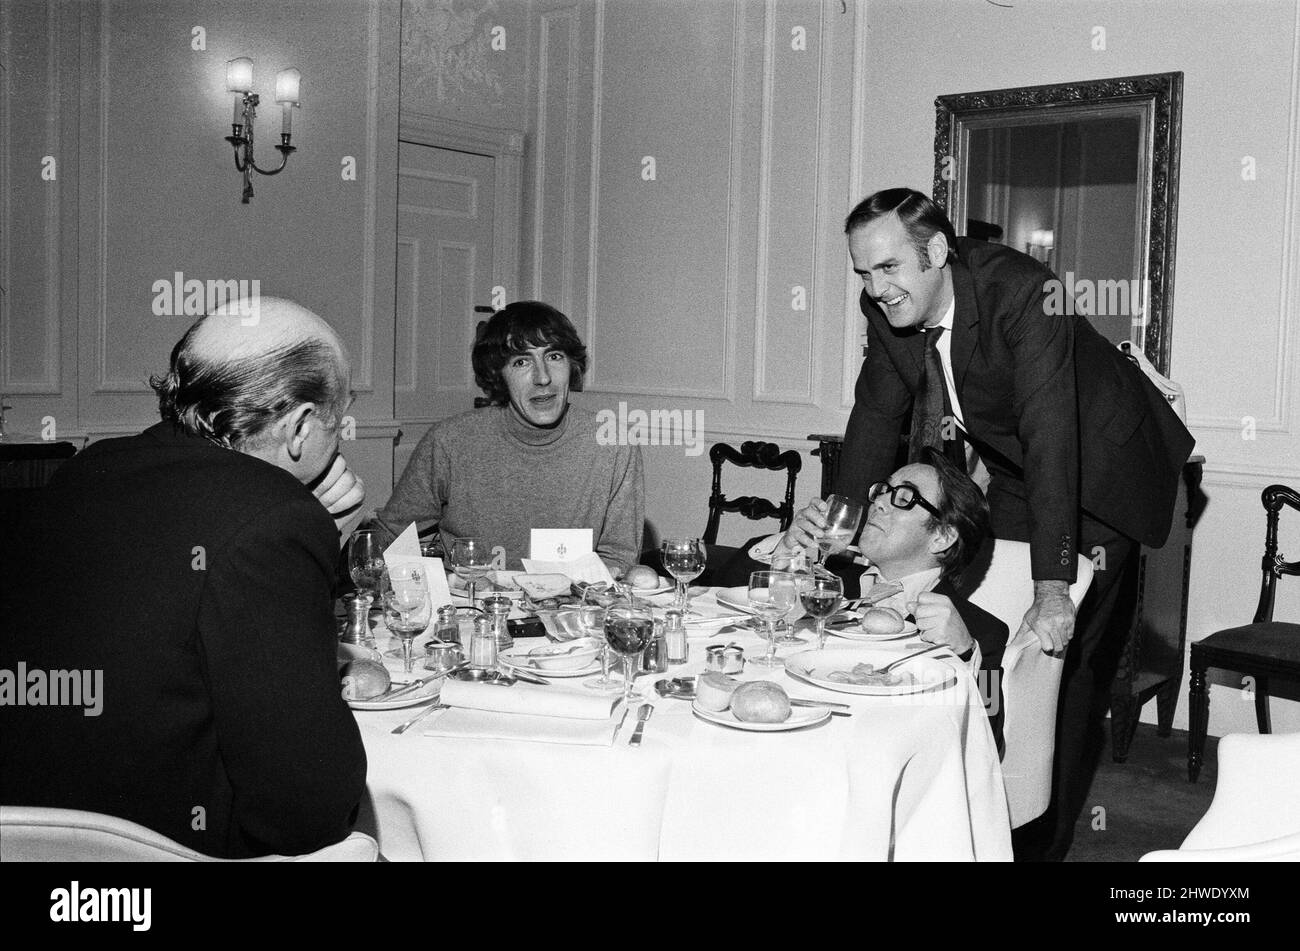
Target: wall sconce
x=239, y=80
x=1040, y=245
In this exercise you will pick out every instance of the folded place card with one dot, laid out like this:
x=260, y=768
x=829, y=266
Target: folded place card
x=560, y=544
x=405, y=545
x=588, y=568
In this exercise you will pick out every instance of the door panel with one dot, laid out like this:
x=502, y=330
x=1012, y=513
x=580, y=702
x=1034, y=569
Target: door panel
x=444, y=268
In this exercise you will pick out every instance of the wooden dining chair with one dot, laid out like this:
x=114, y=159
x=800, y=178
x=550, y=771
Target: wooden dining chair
x=752, y=455
x=1263, y=649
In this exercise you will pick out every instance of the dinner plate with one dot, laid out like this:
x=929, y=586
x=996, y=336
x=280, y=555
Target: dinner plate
x=458, y=586
x=516, y=658
x=738, y=598
x=857, y=634
x=665, y=585
x=423, y=695
x=800, y=717
x=816, y=666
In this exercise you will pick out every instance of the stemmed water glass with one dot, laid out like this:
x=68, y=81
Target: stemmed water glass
x=821, y=593
x=684, y=559
x=366, y=563
x=591, y=621
x=471, y=559
x=406, y=606
x=843, y=516
x=628, y=629
x=772, y=594
x=795, y=564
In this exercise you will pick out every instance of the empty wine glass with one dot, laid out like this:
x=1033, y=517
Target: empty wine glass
x=820, y=594
x=843, y=516
x=471, y=559
x=366, y=563
x=684, y=559
x=772, y=594
x=406, y=606
x=628, y=629
x=591, y=621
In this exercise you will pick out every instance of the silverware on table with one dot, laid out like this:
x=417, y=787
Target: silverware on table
x=403, y=727
x=414, y=685
x=642, y=715
x=902, y=660
x=514, y=674
x=801, y=702
x=621, y=721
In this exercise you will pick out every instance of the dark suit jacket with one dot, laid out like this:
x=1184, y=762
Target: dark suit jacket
x=197, y=579
x=1047, y=400
x=991, y=635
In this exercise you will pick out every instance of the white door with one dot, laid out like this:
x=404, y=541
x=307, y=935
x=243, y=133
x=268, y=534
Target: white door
x=444, y=269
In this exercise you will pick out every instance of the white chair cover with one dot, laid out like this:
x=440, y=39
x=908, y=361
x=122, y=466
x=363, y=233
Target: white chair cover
x=38, y=834
x=1031, y=679
x=1255, y=815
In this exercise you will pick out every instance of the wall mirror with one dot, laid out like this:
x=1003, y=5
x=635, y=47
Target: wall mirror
x=1084, y=177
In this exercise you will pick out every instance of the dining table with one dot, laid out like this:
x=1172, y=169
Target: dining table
x=910, y=777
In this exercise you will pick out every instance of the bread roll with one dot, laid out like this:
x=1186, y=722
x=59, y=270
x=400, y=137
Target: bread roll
x=882, y=621
x=642, y=578
x=364, y=680
x=713, y=691
x=760, y=701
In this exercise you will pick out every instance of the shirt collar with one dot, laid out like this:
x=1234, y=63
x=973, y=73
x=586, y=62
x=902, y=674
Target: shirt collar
x=948, y=314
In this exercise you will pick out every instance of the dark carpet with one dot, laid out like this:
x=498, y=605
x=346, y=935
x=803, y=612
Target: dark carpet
x=1145, y=803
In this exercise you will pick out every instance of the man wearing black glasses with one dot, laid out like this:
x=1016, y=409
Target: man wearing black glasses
x=919, y=533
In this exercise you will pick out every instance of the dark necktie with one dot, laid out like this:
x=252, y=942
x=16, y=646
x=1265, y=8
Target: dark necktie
x=932, y=416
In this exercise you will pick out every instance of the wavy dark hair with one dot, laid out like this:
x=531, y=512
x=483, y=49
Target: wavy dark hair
x=963, y=508
x=233, y=402
x=920, y=216
x=515, y=329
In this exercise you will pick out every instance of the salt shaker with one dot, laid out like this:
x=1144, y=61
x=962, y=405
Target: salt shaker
x=483, y=645
x=357, y=630
x=447, y=628
x=654, y=659
x=497, y=607
x=675, y=637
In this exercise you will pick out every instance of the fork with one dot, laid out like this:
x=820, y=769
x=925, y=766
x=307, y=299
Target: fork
x=403, y=727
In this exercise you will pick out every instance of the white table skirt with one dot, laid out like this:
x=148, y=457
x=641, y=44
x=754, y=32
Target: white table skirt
x=904, y=778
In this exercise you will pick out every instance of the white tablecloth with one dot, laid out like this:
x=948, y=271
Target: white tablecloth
x=913, y=778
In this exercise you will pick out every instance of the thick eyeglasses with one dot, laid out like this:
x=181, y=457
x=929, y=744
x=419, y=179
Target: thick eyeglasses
x=903, y=496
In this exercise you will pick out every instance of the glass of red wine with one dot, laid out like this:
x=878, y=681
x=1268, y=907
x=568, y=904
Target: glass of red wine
x=628, y=629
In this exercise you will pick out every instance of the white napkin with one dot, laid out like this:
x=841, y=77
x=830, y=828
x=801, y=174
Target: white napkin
x=484, y=725
x=554, y=700
x=588, y=568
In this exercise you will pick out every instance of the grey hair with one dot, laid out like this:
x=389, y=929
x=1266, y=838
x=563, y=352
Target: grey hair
x=233, y=402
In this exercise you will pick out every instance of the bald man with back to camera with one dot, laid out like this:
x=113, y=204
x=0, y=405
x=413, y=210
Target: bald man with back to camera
x=193, y=567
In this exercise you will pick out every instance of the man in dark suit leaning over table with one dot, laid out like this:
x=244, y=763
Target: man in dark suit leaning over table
x=1082, y=453
x=919, y=534
x=187, y=571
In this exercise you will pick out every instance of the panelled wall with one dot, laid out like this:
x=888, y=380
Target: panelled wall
x=125, y=101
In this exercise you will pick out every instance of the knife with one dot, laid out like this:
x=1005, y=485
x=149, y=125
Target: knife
x=515, y=674
x=621, y=721
x=414, y=685
x=641, y=716
x=796, y=702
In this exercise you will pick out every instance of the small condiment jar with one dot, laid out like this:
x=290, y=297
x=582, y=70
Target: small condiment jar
x=447, y=628
x=679, y=650
x=498, y=607
x=440, y=656
x=483, y=645
x=654, y=658
x=357, y=628
x=724, y=658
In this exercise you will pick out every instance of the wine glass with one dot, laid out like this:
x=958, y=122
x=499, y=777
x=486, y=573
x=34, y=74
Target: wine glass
x=628, y=629
x=821, y=593
x=591, y=621
x=471, y=559
x=683, y=559
x=406, y=606
x=772, y=594
x=366, y=562
x=796, y=564
x=843, y=516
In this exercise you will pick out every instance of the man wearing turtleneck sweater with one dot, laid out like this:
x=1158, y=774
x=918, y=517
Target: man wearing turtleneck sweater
x=531, y=460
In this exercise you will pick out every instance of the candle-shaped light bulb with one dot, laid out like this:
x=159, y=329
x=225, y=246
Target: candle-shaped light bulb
x=287, y=82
